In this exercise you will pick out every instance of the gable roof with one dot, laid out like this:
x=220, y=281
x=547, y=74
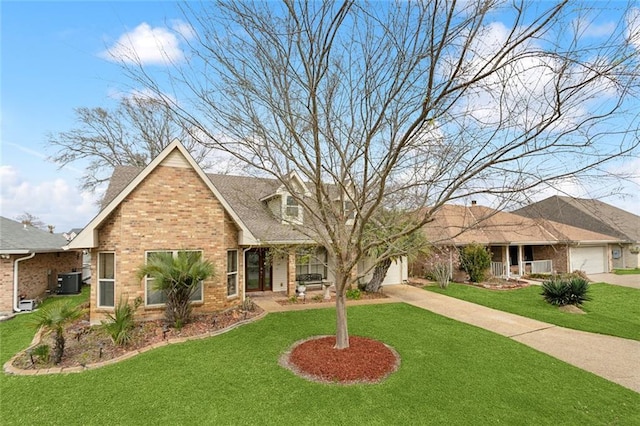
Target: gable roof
x=174, y=154
x=461, y=225
x=16, y=238
x=244, y=195
x=593, y=215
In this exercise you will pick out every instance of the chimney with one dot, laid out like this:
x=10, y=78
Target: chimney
x=474, y=202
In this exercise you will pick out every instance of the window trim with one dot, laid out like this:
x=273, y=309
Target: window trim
x=230, y=273
x=100, y=280
x=174, y=253
x=290, y=202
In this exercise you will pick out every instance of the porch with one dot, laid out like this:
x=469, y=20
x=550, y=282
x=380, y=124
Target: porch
x=519, y=260
x=499, y=269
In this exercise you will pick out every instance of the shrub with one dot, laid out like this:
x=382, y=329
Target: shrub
x=475, y=260
x=248, y=305
x=43, y=352
x=441, y=274
x=353, y=294
x=120, y=325
x=561, y=292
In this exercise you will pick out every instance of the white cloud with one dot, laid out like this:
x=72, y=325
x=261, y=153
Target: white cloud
x=56, y=202
x=590, y=29
x=147, y=45
x=620, y=188
x=633, y=27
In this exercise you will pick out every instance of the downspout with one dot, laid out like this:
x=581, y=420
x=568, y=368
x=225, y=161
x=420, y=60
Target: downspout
x=15, y=280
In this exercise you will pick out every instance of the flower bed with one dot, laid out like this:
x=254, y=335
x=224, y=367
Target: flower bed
x=88, y=345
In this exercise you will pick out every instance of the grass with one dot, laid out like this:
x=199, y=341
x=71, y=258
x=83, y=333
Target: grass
x=613, y=310
x=450, y=373
x=635, y=271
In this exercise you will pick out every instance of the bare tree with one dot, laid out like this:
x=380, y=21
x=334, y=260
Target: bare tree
x=406, y=104
x=133, y=134
x=29, y=219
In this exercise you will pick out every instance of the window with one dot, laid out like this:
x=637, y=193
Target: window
x=312, y=261
x=349, y=210
x=292, y=207
x=106, y=280
x=158, y=297
x=232, y=272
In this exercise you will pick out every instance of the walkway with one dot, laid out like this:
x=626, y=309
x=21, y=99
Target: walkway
x=612, y=358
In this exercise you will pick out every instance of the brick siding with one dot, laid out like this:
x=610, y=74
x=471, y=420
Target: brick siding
x=557, y=254
x=35, y=275
x=172, y=209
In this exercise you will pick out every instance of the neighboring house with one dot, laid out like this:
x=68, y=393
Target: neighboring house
x=30, y=261
x=595, y=216
x=247, y=227
x=519, y=246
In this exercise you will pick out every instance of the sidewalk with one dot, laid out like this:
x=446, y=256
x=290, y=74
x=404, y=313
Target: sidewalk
x=612, y=358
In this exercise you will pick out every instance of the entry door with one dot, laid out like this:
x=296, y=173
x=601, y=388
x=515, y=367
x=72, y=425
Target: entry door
x=257, y=270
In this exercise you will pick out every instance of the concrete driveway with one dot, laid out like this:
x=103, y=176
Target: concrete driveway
x=623, y=280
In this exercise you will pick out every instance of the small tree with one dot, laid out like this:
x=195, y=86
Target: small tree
x=475, y=260
x=390, y=236
x=52, y=319
x=178, y=277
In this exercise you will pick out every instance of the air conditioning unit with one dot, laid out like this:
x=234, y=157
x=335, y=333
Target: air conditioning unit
x=26, y=305
x=69, y=283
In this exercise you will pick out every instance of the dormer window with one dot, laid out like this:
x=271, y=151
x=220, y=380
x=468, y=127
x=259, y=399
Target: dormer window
x=292, y=208
x=283, y=205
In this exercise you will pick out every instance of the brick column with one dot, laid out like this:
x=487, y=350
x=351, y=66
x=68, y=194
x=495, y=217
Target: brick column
x=291, y=273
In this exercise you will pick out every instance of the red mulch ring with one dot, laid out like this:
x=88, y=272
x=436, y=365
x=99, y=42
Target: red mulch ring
x=364, y=361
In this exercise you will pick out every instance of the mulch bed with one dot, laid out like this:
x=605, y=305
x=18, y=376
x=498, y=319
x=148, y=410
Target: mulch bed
x=86, y=344
x=364, y=361
x=493, y=284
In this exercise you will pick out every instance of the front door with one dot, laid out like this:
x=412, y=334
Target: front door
x=257, y=270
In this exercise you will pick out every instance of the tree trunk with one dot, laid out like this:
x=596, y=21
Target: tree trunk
x=342, y=331
x=379, y=272
x=58, y=348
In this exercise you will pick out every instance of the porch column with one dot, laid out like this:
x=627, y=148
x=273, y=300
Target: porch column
x=520, y=260
x=291, y=273
x=507, y=262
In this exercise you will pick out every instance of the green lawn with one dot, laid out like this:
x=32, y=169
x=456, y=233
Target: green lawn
x=635, y=271
x=450, y=373
x=613, y=310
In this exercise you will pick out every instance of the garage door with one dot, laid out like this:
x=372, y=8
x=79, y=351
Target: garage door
x=592, y=260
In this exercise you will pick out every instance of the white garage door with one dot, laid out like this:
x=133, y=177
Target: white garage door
x=591, y=260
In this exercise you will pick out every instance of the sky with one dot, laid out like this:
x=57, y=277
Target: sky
x=54, y=58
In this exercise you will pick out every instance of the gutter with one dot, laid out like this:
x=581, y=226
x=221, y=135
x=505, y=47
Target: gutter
x=15, y=280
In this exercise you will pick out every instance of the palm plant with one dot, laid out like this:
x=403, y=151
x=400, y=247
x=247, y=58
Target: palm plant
x=561, y=292
x=121, y=323
x=52, y=319
x=178, y=277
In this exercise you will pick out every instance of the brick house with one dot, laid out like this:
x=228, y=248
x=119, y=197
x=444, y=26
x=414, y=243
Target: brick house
x=249, y=228
x=597, y=216
x=30, y=261
x=518, y=245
